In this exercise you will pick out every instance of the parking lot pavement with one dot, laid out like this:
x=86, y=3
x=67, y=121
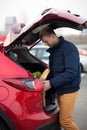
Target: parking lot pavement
x=80, y=112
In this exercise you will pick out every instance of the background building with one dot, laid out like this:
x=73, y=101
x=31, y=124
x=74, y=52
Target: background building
x=9, y=21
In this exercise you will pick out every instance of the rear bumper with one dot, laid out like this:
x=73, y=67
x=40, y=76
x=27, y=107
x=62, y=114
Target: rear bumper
x=27, y=112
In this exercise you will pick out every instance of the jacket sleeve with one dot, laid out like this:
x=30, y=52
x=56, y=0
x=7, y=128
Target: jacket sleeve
x=72, y=67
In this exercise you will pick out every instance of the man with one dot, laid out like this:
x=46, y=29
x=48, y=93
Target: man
x=64, y=75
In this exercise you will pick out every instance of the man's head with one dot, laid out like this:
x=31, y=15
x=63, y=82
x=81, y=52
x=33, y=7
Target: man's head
x=48, y=36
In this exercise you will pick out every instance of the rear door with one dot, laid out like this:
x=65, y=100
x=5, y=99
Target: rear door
x=29, y=34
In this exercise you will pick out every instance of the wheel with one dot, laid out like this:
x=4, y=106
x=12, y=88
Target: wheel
x=3, y=125
x=81, y=68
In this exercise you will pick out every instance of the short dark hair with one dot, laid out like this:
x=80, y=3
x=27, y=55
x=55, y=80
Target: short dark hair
x=47, y=31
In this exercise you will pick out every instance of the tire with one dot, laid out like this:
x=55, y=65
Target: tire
x=81, y=68
x=3, y=126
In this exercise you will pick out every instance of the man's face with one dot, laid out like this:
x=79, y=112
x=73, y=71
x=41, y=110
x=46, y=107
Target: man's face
x=49, y=40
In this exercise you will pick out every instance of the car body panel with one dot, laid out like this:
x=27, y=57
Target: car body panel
x=12, y=67
x=24, y=113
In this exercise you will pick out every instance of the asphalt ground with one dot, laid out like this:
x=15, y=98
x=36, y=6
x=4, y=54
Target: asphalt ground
x=80, y=112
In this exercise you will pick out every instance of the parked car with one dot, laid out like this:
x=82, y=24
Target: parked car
x=83, y=59
x=40, y=51
x=82, y=52
x=22, y=99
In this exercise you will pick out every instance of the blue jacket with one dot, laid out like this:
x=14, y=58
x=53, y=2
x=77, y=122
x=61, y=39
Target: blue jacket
x=64, y=66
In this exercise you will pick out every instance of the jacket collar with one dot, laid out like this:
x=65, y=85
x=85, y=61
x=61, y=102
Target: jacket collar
x=50, y=50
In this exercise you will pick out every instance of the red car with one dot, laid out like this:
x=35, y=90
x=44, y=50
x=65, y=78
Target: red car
x=2, y=39
x=22, y=100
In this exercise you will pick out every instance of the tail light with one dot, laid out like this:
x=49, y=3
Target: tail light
x=25, y=84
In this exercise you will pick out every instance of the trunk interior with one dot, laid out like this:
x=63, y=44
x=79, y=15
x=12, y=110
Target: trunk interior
x=21, y=56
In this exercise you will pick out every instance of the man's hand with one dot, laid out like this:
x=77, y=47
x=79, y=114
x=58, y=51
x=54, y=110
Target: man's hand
x=46, y=85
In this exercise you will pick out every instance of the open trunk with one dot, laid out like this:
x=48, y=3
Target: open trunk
x=21, y=56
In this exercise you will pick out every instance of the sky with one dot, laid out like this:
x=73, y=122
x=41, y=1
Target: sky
x=26, y=10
